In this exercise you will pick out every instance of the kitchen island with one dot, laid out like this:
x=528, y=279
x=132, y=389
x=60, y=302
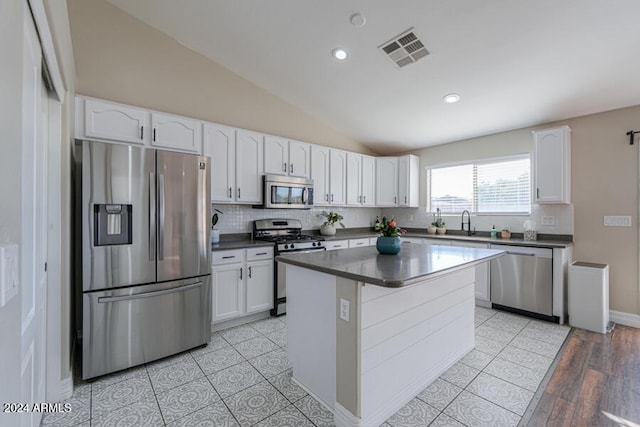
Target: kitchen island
x=368, y=332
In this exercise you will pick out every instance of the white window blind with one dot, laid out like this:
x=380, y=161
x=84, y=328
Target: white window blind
x=499, y=186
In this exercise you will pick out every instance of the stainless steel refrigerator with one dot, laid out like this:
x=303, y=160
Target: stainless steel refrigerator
x=146, y=270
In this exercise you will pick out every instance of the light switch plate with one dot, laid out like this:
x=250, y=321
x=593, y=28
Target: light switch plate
x=548, y=220
x=344, y=309
x=8, y=273
x=617, y=221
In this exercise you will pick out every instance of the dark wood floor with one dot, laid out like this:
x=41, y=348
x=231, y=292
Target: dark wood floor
x=596, y=373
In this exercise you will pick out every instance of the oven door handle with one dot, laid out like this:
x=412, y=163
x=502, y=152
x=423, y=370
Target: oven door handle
x=302, y=251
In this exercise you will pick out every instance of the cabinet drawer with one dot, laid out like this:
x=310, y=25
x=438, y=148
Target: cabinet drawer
x=337, y=244
x=227, y=257
x=356, y=243
x=263, y=252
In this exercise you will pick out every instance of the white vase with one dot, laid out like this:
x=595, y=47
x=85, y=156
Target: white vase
x=215, y=236
x=431, y=230
x=327, y=229
x=441, y=230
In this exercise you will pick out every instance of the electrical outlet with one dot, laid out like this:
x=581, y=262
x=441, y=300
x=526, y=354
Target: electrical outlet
x=344, y=309
x=617, y=221
x=8, y=273
x=548, y=220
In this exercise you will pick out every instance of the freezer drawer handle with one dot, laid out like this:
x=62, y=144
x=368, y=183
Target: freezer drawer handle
x=104, y=300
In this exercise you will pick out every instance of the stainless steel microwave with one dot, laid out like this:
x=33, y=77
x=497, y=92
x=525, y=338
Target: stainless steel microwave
x=283, y=192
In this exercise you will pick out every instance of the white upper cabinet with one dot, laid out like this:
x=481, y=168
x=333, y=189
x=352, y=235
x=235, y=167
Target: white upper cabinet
x=115, y=122
x=337, y=177
x=175, y=132
x=360, y=180
x=552, y=165
x=368, y=181
x=320, y=175
x=354, y=179
x=286, y=157
x=386, y=181
x=249, y=167
x=408, y=181
x=299, y=159
x=220, y=144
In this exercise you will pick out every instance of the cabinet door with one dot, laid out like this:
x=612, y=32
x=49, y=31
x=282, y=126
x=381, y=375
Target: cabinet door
x=299, y=159
x=259, y=286
x=228, y=301
x=358, y=243
x=115, y=122
x=337, y=175
x=368, y=181
x=249, y=167
x=320, y=175
x=333, y=245
x=387, y=181
x=552, y=165
x=276, y=155
x=219, y=143
x=408, y=181
x=174, y=132
x=353, y=184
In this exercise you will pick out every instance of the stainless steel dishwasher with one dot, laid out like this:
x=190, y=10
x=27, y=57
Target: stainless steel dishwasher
x=523, y=279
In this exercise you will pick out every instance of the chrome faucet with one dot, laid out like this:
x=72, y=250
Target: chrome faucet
x=468, y=222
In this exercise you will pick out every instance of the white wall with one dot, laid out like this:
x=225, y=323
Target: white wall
x=11, y=23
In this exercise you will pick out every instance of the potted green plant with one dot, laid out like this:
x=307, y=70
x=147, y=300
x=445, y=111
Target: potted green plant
x=389, y=243
x=329, y=228
x=215, y=233
x=438, y=223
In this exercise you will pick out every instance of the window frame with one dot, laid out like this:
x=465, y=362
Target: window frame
x=520, y=156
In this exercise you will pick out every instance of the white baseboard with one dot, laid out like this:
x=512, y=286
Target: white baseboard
x=626, y=319
x=239, y=321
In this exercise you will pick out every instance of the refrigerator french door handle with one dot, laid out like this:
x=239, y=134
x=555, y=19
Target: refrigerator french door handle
x=152, y=216
x=104, y=300
x=161, y=214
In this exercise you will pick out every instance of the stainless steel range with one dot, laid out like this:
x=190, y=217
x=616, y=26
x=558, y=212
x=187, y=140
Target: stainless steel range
x=287, y=236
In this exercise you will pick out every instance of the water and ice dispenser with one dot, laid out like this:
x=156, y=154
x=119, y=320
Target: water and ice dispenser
x=112, y=224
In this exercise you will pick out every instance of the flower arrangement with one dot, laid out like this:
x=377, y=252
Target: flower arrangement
x=332, y=218
x=389, y=227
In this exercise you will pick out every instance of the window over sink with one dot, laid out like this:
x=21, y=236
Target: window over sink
x=495, y=186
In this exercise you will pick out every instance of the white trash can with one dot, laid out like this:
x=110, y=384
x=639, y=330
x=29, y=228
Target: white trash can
x=589, y=296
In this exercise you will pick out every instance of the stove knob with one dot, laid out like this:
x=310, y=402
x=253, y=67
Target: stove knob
x=292, y=246
x=313, y=244
x=287, y=246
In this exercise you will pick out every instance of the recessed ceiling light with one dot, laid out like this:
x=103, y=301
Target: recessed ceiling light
x=451, y=98
x=357, y=20
x=340, y=54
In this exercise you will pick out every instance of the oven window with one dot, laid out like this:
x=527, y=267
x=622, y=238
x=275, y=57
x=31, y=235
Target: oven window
x=279, y=195
x=296, y=195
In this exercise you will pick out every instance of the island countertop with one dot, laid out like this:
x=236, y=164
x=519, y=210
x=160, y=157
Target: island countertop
x=413, y=264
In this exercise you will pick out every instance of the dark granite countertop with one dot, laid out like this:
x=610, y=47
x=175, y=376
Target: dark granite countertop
x=414, y=263
x=238, y=241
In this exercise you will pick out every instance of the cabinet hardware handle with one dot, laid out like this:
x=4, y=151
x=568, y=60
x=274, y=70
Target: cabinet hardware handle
x=337, y=246
x=291, y=168
x=230, y=190
x=364, y=199
x=141, y=132
x=249, y=272
x=228, y=257
x=240, y=273
x=537, y=193
x=395, y=200
x=326, y=197
x=331, y=197
x=284, y=167
x=154, y=134
x=405, y=200
x=261, y=253
x=238, y=193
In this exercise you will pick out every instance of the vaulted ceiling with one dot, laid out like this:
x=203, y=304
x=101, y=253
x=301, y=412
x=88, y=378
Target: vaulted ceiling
x=513, y=63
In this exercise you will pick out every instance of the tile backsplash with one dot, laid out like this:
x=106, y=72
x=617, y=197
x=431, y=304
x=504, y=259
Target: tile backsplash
x=239, y=218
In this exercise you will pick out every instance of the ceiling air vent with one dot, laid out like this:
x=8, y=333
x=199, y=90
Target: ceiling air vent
x=404, y=49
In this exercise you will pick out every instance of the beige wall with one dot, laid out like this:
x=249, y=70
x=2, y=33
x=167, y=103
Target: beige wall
x=122, y=59
x=604, y=181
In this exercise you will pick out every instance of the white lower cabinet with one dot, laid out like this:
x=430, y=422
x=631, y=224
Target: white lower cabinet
x=357, y=243
x=333, y=245
x=242, y=282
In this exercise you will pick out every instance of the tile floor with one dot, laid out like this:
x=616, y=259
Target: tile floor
x=243, y=378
